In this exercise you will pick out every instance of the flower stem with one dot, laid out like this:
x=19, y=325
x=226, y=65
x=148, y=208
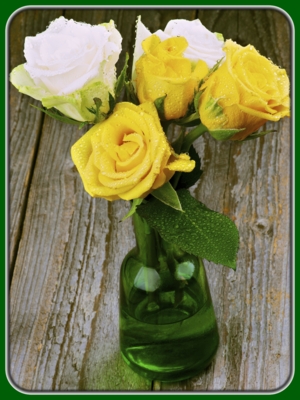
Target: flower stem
x=192, y=136
x=186, y=144
x=165, y=125
x=146, y=241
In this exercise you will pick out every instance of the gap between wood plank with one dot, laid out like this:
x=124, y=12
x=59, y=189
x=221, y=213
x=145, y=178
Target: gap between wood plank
x=24, y=205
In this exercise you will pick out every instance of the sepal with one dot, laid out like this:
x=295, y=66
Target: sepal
x=130, y=93
x=159, y=104
x=134, y=204
x=224, y=134
x=256, y=135
x=55, y=114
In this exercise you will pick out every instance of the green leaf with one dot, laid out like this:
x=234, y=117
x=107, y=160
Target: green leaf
x=134, y=204
x=198, y=230
x=159, y=104
x=130, y=93
x=60, y=117
x=167, y=195
x=224, y=134
x=91, y=110
x=111, y=102
x=188, y=179
x=122, y=77
x=256, y=135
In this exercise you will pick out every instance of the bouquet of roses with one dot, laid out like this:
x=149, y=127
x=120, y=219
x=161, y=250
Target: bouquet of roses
x=185, y=76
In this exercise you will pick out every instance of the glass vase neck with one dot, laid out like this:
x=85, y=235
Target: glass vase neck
x=150, y=245
x=146, y=241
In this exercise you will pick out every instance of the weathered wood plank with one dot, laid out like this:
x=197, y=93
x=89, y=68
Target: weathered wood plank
x=25, y=126
x=64, y=294
x=49, y=276
x=250, y=182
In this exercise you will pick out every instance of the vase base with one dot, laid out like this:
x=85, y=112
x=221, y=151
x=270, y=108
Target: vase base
x=175, y=347
x=170, y=375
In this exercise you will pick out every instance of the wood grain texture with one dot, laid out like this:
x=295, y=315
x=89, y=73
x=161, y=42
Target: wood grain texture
x=24, y=123
x=67, y=248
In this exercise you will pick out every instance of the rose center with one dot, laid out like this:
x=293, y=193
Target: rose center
x=130, y=152
x=126, y=150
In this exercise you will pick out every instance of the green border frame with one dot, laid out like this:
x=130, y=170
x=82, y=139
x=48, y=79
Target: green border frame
x=11, y=8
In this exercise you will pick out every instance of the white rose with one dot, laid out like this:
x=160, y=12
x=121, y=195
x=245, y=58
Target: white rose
x=68, y=65
x=203, y=44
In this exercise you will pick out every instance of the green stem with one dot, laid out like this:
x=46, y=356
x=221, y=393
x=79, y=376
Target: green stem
x=192, y=136
x=146, y=241
x=177, y=144
x=165, y=125
x=185, y=147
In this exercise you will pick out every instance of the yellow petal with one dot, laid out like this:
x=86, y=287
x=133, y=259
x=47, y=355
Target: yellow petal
x=163, y=71
x=181, y=165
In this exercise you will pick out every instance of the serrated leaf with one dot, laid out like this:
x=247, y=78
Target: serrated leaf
x=198, y=230
x=188, y=179
x=121, y=78
x=167, y=195
x=134, y=204
x=224, y=134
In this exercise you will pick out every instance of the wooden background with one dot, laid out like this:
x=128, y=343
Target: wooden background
x=66, y=248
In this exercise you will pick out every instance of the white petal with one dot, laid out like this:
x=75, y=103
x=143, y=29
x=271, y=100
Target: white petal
x=141, y=34
x=20, y=78
x=70, y=54
x=203, y=44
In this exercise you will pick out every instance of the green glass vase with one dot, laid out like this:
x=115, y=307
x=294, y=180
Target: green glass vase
x=168, y=329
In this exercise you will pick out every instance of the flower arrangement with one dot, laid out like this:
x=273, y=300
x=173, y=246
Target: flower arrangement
x=186, y=76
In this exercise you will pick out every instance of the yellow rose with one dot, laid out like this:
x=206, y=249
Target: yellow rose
x=246, y=91
x=127, y=155
x=162, y=70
